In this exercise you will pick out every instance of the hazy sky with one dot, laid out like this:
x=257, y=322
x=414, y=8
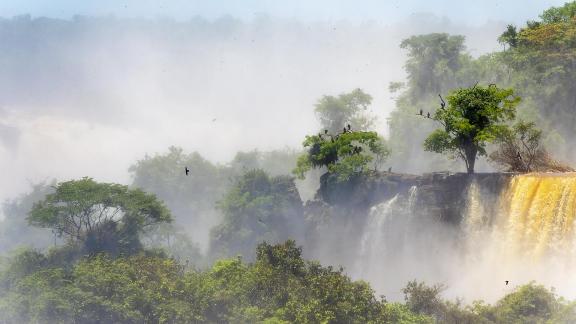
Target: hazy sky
x=471, y=11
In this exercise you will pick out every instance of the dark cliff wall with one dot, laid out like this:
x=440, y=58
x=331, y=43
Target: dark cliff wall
x=442, y=195
x=338, y=218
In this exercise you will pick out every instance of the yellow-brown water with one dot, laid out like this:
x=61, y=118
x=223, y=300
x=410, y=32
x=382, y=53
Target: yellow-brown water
x=538, y=216
x=528, y=236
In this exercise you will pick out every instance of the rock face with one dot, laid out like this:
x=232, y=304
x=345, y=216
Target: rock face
x=443, y=195
x=430, y=207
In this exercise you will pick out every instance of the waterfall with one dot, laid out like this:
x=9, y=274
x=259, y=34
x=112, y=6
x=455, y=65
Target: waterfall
x=519, y=233
x=372, y=241
x=541, y=210
x=527, y=236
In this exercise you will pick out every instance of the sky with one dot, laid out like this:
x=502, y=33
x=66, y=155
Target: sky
x=472, y=11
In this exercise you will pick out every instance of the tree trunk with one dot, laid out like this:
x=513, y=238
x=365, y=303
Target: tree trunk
x=471, y=153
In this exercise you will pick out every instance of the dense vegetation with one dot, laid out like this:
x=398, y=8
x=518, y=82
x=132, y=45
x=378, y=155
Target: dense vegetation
x=538, y=64
x=103, y=252
x=278, y=287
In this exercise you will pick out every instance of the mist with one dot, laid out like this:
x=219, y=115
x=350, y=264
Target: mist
x=91, y=95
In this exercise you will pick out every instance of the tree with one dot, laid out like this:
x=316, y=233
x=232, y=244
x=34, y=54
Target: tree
x=510, y=36
x=102, y=216
x=335, y=113
x=191, y=198
x=541, y=61
x=257, y=208
x=520, y=150
x=436, y=64
x=473, y=117
x=346, y=154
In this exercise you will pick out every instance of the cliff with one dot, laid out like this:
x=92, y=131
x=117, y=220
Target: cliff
x=442, y=195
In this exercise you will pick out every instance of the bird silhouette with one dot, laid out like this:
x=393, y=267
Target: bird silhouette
x=344, y=130
x=349, y=126
x=213, y=120
x=428, y=115
x=421, y=112
x=325, y=131
x=506, y=282
x=186, y=170
x=442, y=103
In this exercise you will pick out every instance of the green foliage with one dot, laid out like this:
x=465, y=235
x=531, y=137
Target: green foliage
x=346, y=154
x=101, y=216
x=473, y=117
x=257, y=208
x=541, y=66
x=192, y=199
x=279, y=287
x=433, y=60
x=527, y=304
x=335, y=113
x=437, y=63
x=423, y=299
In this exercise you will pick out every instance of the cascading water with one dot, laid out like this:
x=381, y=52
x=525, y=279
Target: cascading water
x=372, y=242
x=524, y=233
x=531, y=237
x=541, y=213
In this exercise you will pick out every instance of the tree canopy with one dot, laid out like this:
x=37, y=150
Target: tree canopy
x=346, y=154
x=102, y=216
x=473, y=117
x=257, y=208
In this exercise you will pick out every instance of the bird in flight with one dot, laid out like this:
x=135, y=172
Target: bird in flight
x=186, y=170
x=213, y=120
x=506, y=282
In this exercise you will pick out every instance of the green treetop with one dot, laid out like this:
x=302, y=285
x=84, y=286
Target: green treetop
x=345, y=154
x=102, y=216
x=473, y=117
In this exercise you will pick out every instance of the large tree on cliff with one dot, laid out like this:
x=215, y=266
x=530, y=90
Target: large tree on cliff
x=104, y=217
x=473, y=117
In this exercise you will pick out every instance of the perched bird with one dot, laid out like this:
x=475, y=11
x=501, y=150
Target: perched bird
x=421, y=112
x=186, y=170
x=344, y=131
x=506, y=282
x=349, y=126
x=428, y=115
x=325, y=131
x=442, y=103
